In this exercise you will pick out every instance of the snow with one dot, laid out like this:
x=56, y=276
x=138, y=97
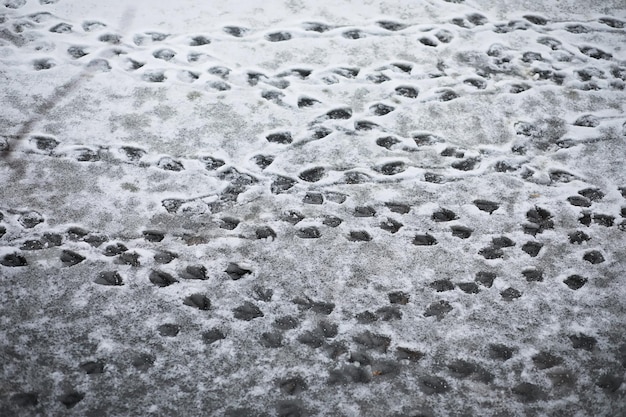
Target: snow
x=121, y=118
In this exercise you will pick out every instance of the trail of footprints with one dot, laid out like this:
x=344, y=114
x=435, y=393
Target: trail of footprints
x=24, y=230
x=159, y=57
x=591, y=69
x=361, y=356
x=444, y=163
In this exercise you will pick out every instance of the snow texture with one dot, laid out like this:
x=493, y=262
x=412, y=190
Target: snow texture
x=327, y=208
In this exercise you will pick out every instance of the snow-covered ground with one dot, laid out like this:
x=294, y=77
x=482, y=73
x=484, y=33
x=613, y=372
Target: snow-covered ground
x=328, y=208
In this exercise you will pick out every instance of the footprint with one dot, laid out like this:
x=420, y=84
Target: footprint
x=437, y=309
x=444, y=36
x=461, y=232
x=307, y=102
x=199, y=301
x=594, y=52
x=30, y=219
x=110, y=38
x=404, y=67
x=476, y=82
x=99, y=65
x=145, y=38
x=236, y=272
x=128, y=258
x=353, y=34
x=169, y=164
x=132, y=65
x=486, y=205
x=213, y=335
x=82, y=154
x=392, y=168
x=407, y=91
x=359, y=236
x=164, y=257
x=428, y=41
x=61, y=28
x=71, y=258
x=197, y=57
x=579, y=201
x=364, y=211
x=347, y=72
x=199, y=41
x=391, y=25
x=400, y=208
x=168, y=330
x=273, y=95
x=510, y=294
x=92, y=25
x=575, y=282
x=32, y=245
x=13, y=260
x=391, y=225
x=365, y=125
x=340, y=113
x=380, y=109
x=247, y=312
x=485, y=278
x=154, y=76
x=532, y=248
x=218, y=85
x=614, y=23
x=377, y=78
x=43, y=64
x=278, y=36
x=336, y=197
x=282, y=184
x=44, y=143
x=165, y=54
x=236, y=31
x=442, y=285
x=491, y=253
x=220, y=71
x=424, y=240
x=194, y=272
x=16, y=4
x=109, y=278
x=229, y=223
x=355, y=177
x=265, y=232
x=587, y=120
x=332, y=221
x=161, y=278
x=533, y=275
x=461, y=22
x=577, y=28
x=518, y=88
x=263, y=161
x=188, y=76
x=594, y=257
x=312, y=174
x=446, y=94
x=321, y=132
x=283, y=138
x=316, y=27
x=132, y=154
x=313, y=198
x=310, y=232
x=536, y=20
x=469, y=287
